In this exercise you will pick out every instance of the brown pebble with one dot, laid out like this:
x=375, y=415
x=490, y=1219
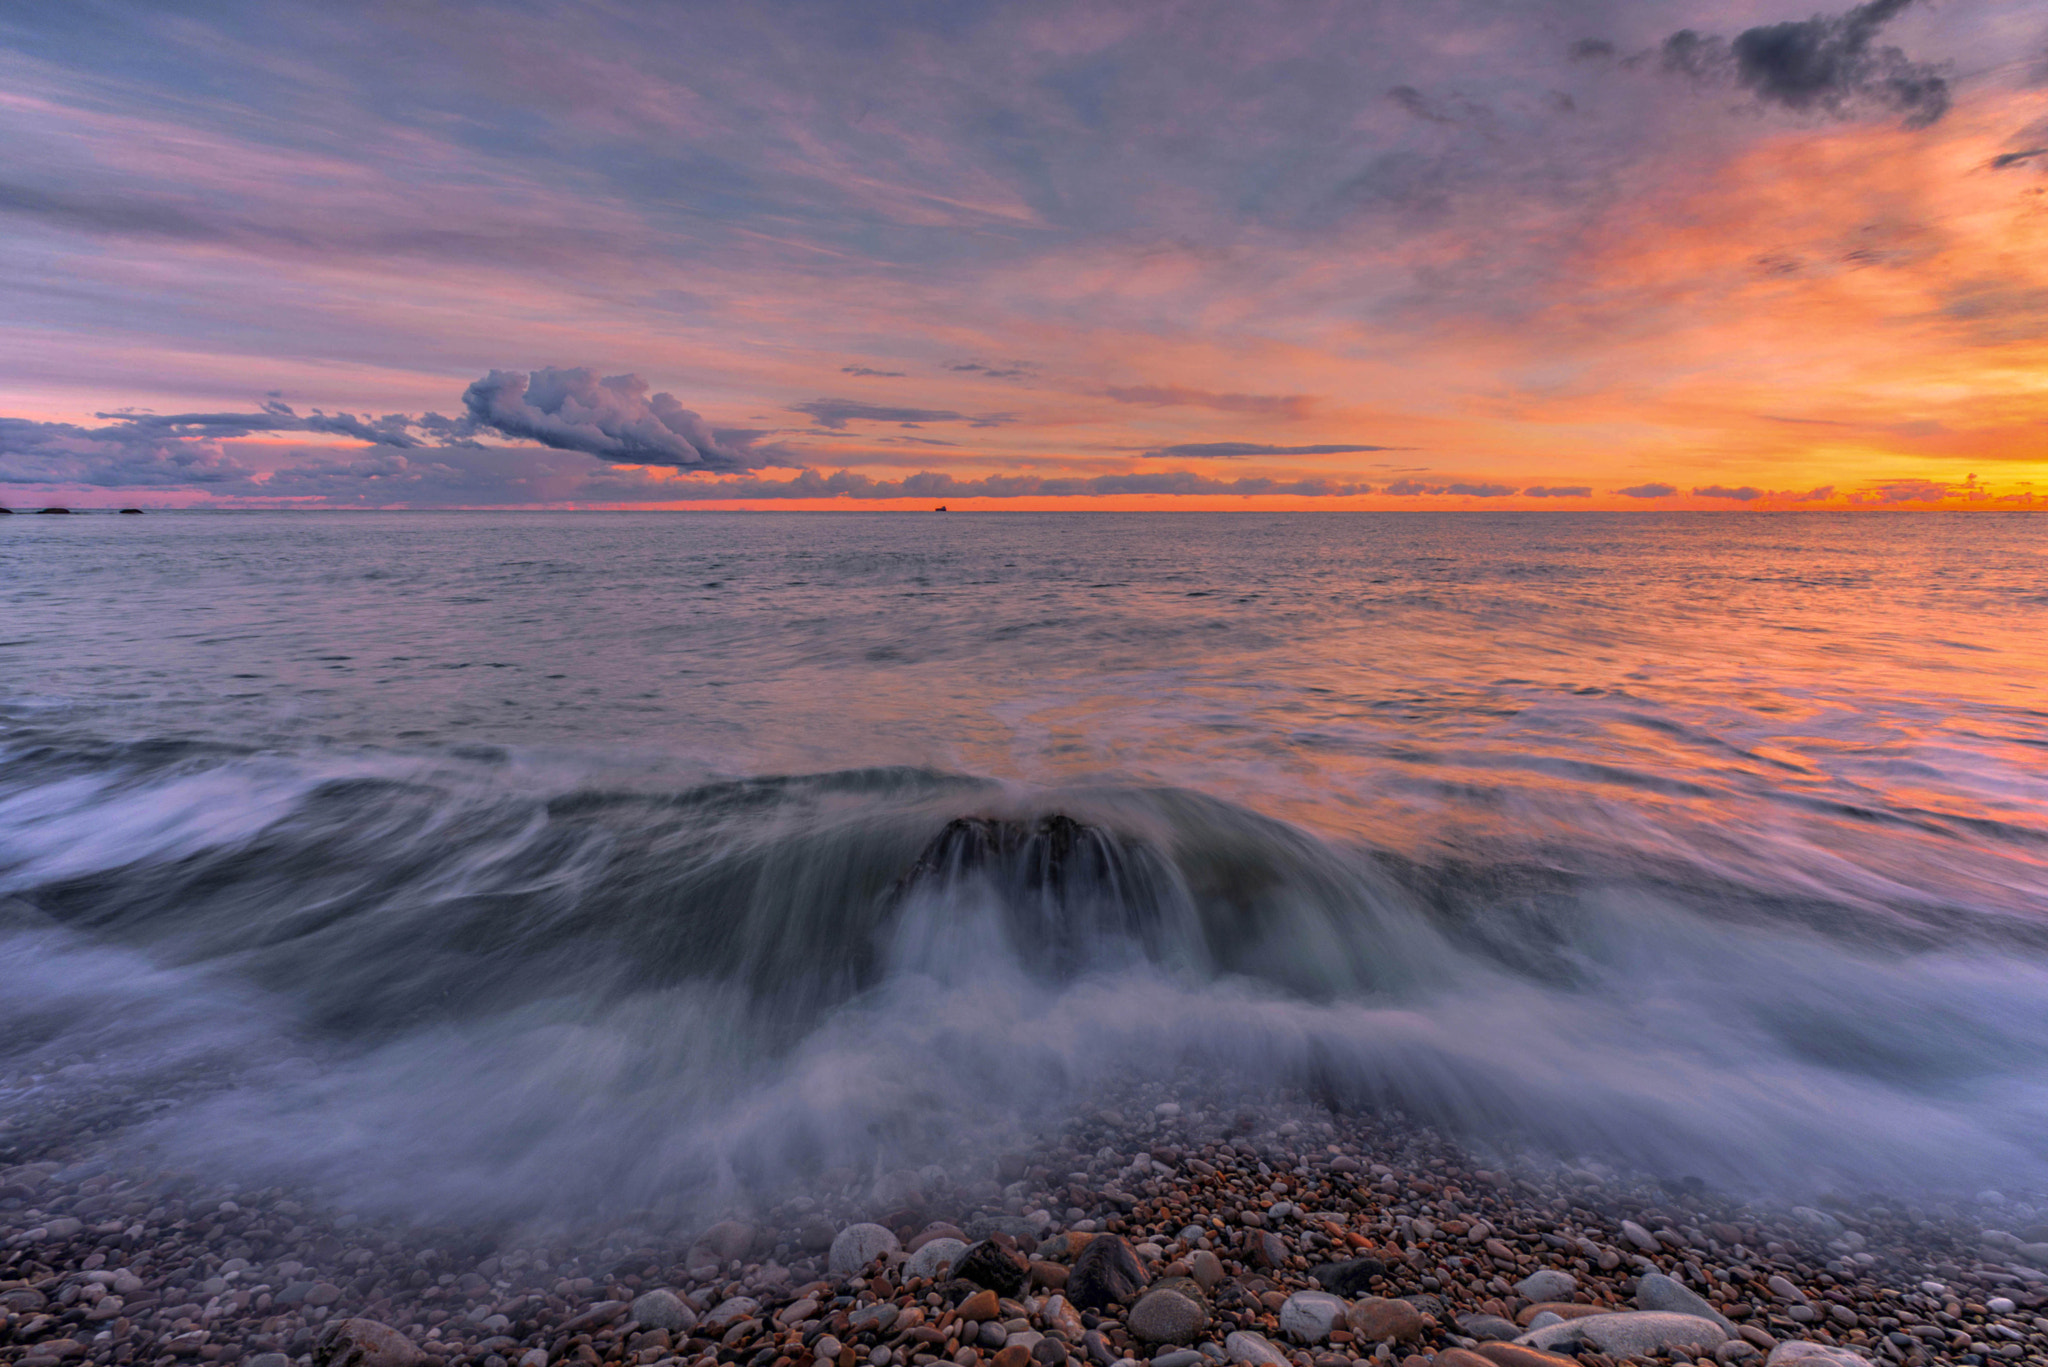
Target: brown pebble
x=1376, y=1319
x=981, y=1306
x=1564, y=1310
x=1051, y=1276
x=1459, y=1357
x=1515, y=1355
x=1013, y=1355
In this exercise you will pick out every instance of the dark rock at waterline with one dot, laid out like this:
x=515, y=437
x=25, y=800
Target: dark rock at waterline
x=131, y=512
x=1065, y=884
x=991, y=1265
x=1353, y=1277
x=49, y=511
x=1105, y=1272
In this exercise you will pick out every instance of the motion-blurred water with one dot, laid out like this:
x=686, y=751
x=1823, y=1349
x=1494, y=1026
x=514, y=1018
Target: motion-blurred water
x=492, y=860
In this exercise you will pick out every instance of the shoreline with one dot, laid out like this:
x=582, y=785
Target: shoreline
x=1225, y=1220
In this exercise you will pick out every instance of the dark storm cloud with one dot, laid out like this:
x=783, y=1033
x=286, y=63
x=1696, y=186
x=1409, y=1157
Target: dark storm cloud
x=1232, y=450
x=1647, y=491
x=1742, y=495
x=836, y=413
x=1829, y=62
x=1558, y=491
x=614, y=418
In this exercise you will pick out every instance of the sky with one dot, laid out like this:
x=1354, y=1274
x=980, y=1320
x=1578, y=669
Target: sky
x=1659, y=254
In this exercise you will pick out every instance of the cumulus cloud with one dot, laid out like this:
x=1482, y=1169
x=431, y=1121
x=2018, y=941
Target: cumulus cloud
x=1559, y=491
x=1830, y=62
x=123, y=455
x=1742, y=495
x=613, y=417
x=1287, y=406
x=1232, y=450
x=1647, y=491
x=836, y=413
x=1911, y=491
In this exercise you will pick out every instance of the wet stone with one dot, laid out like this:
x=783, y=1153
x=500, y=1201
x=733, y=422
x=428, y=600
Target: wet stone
x=991, y=1265
x=1105, y=1272
x=364, y=1343
x=1166, y=1316
x=1377, y=1319
x=858, y=1245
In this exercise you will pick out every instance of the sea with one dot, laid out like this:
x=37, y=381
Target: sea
x=486, y=862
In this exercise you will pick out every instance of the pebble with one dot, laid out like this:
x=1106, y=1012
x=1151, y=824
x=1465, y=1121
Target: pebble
x=663, y=1309
x=1105, y=1272
x=1253, y=1350
x=1547, y=1284
x=364, y=1343
x=934, y=1254
x=858, y=1245
x=1377, y=1319
x=1637, y=1333
x=1166, y=1316
x=1815, y=1355
x=1640, y=1237
x=1309, y=1316
x=1656, y=1291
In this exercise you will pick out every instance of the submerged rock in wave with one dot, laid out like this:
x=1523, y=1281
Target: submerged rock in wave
x=1068, y=888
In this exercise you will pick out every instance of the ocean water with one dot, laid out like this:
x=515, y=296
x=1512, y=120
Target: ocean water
x=491, y=862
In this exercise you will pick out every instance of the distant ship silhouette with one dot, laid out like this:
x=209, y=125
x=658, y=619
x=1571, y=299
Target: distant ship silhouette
x=940, y=509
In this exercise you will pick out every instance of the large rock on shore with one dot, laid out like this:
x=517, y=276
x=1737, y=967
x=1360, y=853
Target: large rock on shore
x=934, y=1254
x=1253, y=1350
x=1107, y=1271
x=364, y=1343
x=1167, y=1316
x=1658, y=1292
x=663, y=1309
x=1309, y=1316
x=857, y=1246
x=1379, y=1320
x=1636, y=1333
x=991, y=1265
x=1352, y=1277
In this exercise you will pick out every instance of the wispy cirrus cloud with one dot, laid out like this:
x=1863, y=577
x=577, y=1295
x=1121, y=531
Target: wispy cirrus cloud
x=837, y=413
x=1237, y=450
x=1277, y=406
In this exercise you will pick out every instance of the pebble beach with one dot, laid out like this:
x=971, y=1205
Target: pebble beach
x=1155, y=1232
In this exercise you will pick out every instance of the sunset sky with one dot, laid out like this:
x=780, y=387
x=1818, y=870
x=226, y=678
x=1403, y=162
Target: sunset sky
x=1527, y=253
